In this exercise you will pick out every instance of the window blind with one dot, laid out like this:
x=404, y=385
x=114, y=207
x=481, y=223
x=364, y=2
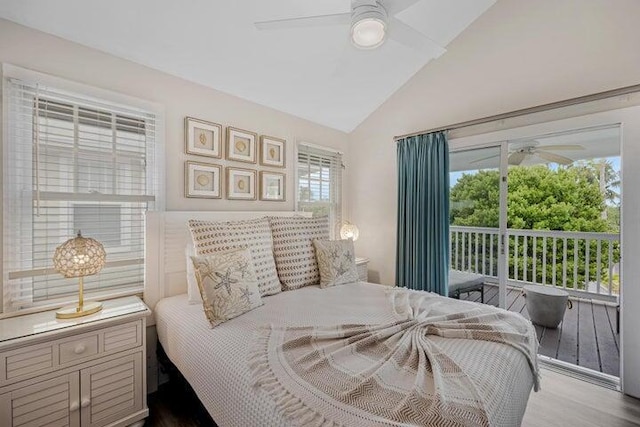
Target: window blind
x=73, y=163
x=319, y=175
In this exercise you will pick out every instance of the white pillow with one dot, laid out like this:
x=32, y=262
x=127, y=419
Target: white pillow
x=193, y=291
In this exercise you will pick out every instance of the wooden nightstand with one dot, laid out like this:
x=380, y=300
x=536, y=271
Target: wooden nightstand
x=362, y=264
x=89, y=371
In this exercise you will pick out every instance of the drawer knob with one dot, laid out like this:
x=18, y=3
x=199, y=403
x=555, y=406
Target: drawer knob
x=85, y=402
x=74, y=406
x=80, y=348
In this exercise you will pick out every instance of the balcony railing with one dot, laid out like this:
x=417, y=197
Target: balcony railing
x=584, y=264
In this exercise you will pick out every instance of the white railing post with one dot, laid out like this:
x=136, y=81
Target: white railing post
x=516, y=266
x=544, y=260
x=564, y=263
x=587, y=263
x=598, y=263
x=491, y=257
x=575, y=263
x=610, y=266
x=525, y=259
x=534, y=260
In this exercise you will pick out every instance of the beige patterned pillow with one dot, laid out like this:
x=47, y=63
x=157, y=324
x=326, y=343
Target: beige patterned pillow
x=293, y=249
x=210, y=237
x=228, y=284
x=336, y=262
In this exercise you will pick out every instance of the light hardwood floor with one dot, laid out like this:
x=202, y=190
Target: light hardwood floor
x=565, y=401
x=562, y=402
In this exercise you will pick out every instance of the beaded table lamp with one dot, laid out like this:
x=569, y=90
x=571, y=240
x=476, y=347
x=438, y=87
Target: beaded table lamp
x=349, y=231
x=79, y=257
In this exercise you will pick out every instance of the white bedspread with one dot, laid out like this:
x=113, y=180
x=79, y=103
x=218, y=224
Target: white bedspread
x=214, y=361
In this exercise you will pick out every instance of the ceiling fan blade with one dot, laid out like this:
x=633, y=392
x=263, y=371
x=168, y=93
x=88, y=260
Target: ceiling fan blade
x=483, y=159
x=307, y=21
x=396, y=6
x=402, y=33
x=515, y=159
x=553, y=157
x=567, y=147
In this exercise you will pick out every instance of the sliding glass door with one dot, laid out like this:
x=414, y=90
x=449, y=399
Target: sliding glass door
x=544, y=211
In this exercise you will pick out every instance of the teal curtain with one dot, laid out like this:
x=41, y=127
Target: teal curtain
x=422, y=255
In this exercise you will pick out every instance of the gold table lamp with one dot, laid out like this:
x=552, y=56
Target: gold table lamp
x=79, y=257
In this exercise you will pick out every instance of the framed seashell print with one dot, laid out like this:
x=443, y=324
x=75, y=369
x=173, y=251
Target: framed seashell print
x=241, y=145
x=203, y=138
x=203, y=180
x=272, y=151
x=272, y=186
x=241, y=184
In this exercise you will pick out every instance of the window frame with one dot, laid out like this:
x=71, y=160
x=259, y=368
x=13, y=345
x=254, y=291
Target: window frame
x=336, y=221
x=87, y=93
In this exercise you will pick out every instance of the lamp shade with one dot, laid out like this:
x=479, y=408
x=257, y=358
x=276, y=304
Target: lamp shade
x=349, y=231
x=79, y=257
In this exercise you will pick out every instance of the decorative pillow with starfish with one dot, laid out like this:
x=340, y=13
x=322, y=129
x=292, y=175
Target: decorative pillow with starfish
x=336, y=262
x=228, y=284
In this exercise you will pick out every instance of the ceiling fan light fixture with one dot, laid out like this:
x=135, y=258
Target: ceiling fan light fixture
x=368, y=25
x=368, y=33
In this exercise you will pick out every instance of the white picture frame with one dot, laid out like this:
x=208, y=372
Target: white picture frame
x=203, y=138
x=203, y=180
x=273, y=186
x=241, y=145
x=241, y=184
x=272, y=151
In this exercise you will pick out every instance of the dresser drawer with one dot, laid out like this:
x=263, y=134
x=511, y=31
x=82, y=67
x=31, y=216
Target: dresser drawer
x=28, y=361
x=122, y=337
x=38, y=359
x=78, y=349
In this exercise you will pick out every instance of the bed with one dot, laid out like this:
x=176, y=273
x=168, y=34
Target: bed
x=214, y=361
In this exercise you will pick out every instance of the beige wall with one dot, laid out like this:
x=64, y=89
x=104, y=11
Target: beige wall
x=520, y=53
x=31, y=49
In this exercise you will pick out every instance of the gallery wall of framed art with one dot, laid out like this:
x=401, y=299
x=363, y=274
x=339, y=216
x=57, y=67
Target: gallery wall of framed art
x=233, y=163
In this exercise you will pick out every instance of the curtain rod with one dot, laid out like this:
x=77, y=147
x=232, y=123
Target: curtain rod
x=537, y=109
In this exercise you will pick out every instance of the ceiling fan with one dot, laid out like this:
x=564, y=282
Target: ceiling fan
x=545, y=152
x=371, y=21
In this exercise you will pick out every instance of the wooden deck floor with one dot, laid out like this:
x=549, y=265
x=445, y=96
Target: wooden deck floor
x=586, y=337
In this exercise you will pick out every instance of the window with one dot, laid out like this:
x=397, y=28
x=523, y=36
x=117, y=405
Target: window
x=319, y=184
x=73, y=163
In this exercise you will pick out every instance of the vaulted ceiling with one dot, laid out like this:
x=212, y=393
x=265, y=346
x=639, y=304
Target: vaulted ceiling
x=310, y=72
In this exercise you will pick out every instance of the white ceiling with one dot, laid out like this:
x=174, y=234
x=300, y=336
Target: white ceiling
x=312, y=73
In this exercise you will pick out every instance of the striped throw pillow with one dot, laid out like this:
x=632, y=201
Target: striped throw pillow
x=293, y=249
x=210, y=237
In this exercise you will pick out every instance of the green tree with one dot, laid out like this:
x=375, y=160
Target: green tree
x=539, y=198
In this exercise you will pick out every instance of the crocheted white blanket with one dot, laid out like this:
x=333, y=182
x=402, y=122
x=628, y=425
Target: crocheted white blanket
x=391, y=374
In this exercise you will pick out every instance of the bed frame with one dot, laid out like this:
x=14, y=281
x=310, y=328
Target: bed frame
x=167, y=235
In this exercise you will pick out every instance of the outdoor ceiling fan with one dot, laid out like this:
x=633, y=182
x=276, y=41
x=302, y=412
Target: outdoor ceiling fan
x=371, y=22
x=545, y=152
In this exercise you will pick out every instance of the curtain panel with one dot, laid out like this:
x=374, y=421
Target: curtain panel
x=422, y=251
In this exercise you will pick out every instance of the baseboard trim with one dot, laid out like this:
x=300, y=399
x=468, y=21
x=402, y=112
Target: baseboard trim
x=579, y=372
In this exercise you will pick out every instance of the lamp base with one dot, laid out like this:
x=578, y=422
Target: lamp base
x=73, y=311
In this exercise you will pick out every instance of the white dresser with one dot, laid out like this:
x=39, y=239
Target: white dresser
x=81, y=372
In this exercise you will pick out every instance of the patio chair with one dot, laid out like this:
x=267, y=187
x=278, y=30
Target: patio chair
x=461, y=282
